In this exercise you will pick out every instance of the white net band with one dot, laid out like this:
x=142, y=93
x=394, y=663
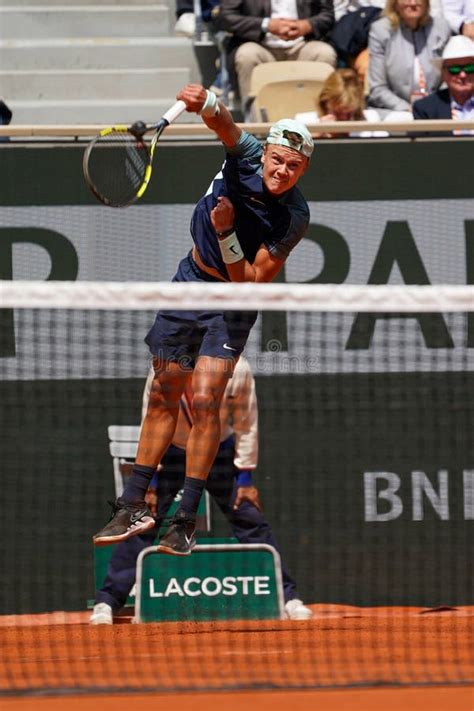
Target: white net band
x=245, y=297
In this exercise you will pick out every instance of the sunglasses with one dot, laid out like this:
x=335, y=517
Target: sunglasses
x=455, y=69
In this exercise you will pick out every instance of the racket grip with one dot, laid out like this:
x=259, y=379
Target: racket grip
x=175, y=111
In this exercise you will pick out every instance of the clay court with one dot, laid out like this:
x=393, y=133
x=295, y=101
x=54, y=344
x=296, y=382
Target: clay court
x=340, y=659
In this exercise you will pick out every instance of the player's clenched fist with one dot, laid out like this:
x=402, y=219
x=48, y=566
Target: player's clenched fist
x=194, y=96
x=223, y=215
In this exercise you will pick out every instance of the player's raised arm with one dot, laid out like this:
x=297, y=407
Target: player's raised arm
x=214, y=114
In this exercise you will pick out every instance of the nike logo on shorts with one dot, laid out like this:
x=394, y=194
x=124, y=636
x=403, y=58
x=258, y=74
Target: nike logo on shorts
x=228, y=348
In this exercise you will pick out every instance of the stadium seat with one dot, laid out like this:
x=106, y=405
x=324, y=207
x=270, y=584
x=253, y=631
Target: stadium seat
x=286, y=88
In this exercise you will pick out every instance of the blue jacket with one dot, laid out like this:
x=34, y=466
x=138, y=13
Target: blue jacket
x=435, y=106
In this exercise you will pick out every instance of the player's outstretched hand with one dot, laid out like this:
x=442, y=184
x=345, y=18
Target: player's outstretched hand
x=247, y=493
x=223, y=215
x=194, y=96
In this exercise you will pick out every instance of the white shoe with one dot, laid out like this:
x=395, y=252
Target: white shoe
x=185, y=25
x=102, y=614
x=295, y=610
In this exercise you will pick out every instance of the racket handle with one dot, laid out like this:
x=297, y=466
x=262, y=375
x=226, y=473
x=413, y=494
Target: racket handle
x=175, y=111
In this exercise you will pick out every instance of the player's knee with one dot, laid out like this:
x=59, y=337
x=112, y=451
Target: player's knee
x=205, y=407
x=205, y=401
x=163, y=396
x=158, y=404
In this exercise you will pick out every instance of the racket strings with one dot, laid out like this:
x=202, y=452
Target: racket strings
x=117, y=165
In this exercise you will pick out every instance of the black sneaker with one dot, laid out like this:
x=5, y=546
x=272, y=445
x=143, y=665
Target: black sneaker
x=180, y=538
x=127, y=520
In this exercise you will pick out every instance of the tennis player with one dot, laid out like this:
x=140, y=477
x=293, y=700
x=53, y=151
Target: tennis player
x=243, y=229
x=230, y=483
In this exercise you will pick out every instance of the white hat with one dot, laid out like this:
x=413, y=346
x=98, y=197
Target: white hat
x=291, y=134
x=457, y=47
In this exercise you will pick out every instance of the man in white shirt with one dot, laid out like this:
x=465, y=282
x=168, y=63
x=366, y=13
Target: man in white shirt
x=460, y=16
x=264, y=31
x=229, y=483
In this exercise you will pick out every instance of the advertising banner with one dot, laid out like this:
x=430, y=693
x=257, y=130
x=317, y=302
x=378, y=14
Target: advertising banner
x=216, y=582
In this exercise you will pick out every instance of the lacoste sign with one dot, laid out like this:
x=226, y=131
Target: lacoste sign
x=216, y=582
x=211, y=586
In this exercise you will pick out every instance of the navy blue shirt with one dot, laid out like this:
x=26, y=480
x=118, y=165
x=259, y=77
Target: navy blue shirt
x=278, y=222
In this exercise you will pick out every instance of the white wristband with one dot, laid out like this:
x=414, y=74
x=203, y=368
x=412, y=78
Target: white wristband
x=211, y=105
x=230, y=249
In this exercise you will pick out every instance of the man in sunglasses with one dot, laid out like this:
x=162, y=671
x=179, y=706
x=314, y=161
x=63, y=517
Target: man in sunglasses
x=457, y=100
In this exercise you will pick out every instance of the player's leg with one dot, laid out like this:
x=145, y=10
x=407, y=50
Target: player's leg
x=121, y=571
x=158, y=426
x=131, y=516
x=224, y=335
x=210, y=377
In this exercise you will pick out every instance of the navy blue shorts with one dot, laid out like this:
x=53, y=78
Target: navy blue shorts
x=182, y=336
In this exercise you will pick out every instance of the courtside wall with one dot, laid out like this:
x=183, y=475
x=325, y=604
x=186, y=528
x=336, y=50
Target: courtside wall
x=367, y=477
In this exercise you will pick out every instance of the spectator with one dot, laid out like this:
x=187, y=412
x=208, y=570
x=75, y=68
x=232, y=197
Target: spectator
x=402, y=45
x=5, y=118
x=460, y=16
x=457, y=100
x=350, y=34
x=293, y=30
x=5, y=114
x=341, y=99
x=188, y=26
x=186, y=19
x=344, y=7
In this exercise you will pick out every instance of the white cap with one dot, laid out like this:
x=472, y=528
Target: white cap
x=291, y=134
x=457, y=47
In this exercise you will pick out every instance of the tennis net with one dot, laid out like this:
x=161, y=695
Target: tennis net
x=365, y=470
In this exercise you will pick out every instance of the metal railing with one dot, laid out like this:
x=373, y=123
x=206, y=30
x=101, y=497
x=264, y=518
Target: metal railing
x=200, y=130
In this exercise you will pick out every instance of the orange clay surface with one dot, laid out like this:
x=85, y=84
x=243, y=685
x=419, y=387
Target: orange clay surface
x=405, y=699
x=185, y=663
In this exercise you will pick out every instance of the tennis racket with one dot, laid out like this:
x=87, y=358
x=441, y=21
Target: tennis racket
x=117, y=164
